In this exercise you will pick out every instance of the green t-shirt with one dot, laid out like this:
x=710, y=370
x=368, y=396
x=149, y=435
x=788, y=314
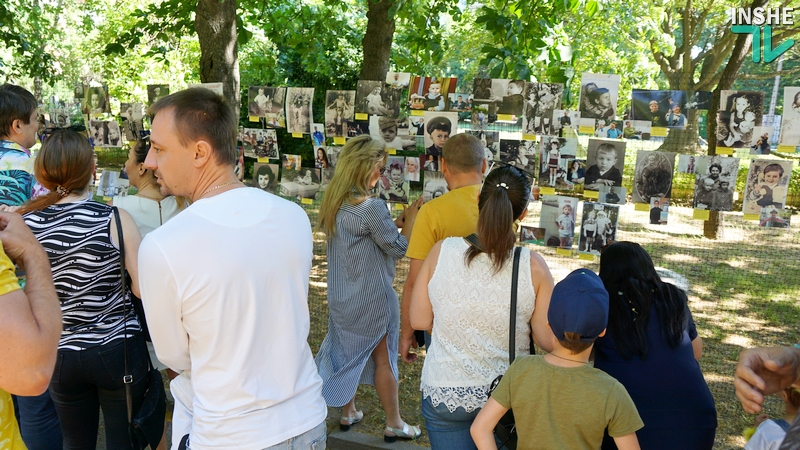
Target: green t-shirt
x=561, y=407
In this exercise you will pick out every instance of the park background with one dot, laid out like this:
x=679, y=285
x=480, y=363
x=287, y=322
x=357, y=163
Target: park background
x=743, y=281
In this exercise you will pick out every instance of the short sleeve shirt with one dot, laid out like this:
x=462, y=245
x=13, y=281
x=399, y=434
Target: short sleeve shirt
x=565, y=407
x=10, y=438
x=454, y=214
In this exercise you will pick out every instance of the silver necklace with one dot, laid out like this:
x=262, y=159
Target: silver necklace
x=214, y=188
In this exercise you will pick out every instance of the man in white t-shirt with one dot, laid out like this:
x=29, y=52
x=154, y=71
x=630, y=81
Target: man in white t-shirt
x=232, y=323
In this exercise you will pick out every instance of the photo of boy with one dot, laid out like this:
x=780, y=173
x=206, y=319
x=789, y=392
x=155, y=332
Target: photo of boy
x=507, y=96
x=659, y=211
x=599, y=93
x=531, y=235
x=541, y=100
x=557, y=217
x=438, y=129
x=339, y=110
x=578, y=315
x=430, y=93
x=566, y=225
x=605, y=160
x=298, y=110
x=156, y=92
x=767, y=185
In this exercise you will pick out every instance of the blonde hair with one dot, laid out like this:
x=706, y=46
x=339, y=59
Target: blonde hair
x=350, y=182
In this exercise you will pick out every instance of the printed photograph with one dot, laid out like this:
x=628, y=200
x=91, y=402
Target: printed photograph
x=433, y=185
x=659, y=210
x=762, y=140
x=265, y=177
x=700, y=100
x=507, y=97
x=616, y=195
x=95, y=100
x=327, y=176
x=558, y=219
x=105, y=133
x=480, y=117
x=317, y=134
x=531, y=235
x=259, y=143
x=739, y=113
x=564, y=119
x=430, y=93
x=638, y=130
x=599, y=95
x=412, y=168
x=132, y=115
x=267, y=102
x=598, y=227
x=321, y=160
x=385, y=129
x=714, y=189
x=392, y=185
x=605, y=160
x=576, y=172
x=300, y=182
x=460, y=102
x=339, y=110
x=156, y=92
x=553, y=156
x=609, y=130
x=398, y=80
x=767, y=185
x=652, y=177
x=298, y=110
x=692, y=164
x=541, y=101
x=439, y=126
x=216, y=88
x=667, y=109
x=772, y=217
x=790, y=122
x=290, y=162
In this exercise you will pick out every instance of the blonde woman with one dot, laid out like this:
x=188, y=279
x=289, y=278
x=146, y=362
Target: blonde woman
x=364, y=245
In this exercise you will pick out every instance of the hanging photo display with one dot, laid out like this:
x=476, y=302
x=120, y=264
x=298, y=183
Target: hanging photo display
x=392, y=186
x=265, y=177
x=598, y=227
x=326, y=177
x=412, y=168
x=772, y=217
x=298, y=110
x=762, y=140
x=767, y=185
x=322, y=159
x=599, y=95
x=105, y=133
x=605, y=160
x=317, y=134
x=636, y=130
x=259, y=143
x=659, y=210
x=216, y=88
x=267, y=102
x=558, y=219
x=433, y=186
x=790, y=122
x=385, y=129
x=132, y=115
x=660, y=108
x=576, y=172
x=714, y=189
x=615, y=195
x=692, y=164
x=374, y=98
x=95, y=100
x=652, y=177
x=531, y=235
x=439, y=126
x=564, y=119
x=739, y=113
x=541, y=101
x=430, y=93
x=460, y=102
x=156, y=92
x=398, y=80
x=553, y=156
x=300, y=182
x=339, y=110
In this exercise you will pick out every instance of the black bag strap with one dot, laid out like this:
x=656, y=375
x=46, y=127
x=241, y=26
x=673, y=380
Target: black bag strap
x=127, y=378
x=512, y=330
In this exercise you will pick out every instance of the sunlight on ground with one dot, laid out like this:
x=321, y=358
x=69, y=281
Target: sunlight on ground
x=678, y=257
x=738, y=340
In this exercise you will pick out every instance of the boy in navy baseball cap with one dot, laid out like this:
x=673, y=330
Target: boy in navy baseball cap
x=559, y=400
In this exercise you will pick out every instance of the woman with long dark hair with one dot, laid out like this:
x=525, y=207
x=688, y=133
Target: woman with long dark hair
x=463, y=293
x=651, y=346
x=81, y=241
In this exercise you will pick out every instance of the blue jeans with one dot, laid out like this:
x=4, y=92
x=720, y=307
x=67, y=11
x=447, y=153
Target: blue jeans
x=448, y=430
x=38, y=422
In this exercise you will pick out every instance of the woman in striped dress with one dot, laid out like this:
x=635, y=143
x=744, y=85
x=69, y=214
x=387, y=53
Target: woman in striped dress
x=364, y=245
x=80, y=238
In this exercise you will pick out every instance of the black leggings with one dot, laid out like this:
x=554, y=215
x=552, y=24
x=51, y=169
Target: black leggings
x=86, y=380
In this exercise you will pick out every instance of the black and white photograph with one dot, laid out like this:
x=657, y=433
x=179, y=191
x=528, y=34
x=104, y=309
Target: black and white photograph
x=430, y=93
x=790, y=122
x=326, y=177
x=767, y=185
x=216, y=88
x=659, y=210
x=772, y=217
x=385, y=129
x=740, y=112
x=531, y=235
x=599, y=95
x=57, y=115
x=433, y=186
x=259, y=143
x=605, y=160
x=507, y=97
x=369, y=100
x=95, y=100
x=398, y=80
x=412, y=168
x=132, y=116
x=439, y=126
x=265, y=177
x=541, y=101
x=339, y=110
x=460, y=102
x=298, y=110
x=156, y=92
x=553, y=156
x=598, y=227
x=652, y=177
x=700, y=100
x=267, y=102
x=300, y=182
x=762, y=141
x=693, y=164
x=666, y=109
x=615, y=195
x=392, y=185
x=105, y=133
x=714, y=189
x=564, y=119
x=558, y=217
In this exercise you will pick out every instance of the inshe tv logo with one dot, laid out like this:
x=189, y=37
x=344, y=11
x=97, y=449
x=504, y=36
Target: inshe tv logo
x=753, y=21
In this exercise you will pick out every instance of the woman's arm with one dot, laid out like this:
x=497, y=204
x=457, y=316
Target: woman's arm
x=132, y=239
x=420, y=309
x=542, y=282
x=697, y=347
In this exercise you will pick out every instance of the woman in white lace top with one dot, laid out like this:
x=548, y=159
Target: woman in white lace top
x=465, y=297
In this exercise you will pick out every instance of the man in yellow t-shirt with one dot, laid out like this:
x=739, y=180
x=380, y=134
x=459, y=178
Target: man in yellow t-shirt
x=452, y=214
x=30, y=323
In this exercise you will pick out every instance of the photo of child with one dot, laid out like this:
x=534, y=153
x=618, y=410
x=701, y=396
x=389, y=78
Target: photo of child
x=507, y=96
x=605, y=160
x=652, y=176
x=339, y=110
x=434, y=185
x=265, y=177
x=156, y=92
x=397, y=80
x=384, y=129
x=714, y=188
x=598, y=227
x=439, y=126
x=541, y=100
x=790, y=123
x=599, y=94
x=553, y=156
x=767, y=185
x=531, y=235
x=392, y=186
x=740, y=112
x=762, y=141
x=298, y=110
x=659, y=210
x=268, y=103
x=557, y=217
x=430, y=93
x=412, y=168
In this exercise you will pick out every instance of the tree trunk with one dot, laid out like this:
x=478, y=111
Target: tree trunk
x=215, y=24
x=683, y=141
x=377, y=43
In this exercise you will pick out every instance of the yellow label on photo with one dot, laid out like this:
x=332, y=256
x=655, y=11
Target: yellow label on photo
x=641, y=207
x=106, y=199
x=787, y=148
x=547, y=191
x=725, y=151
x=528, y=137
x=254, y=118
x=362, y=116
x=398, y=206
x=417, y=112
x=297, y=135
x=391, y=151
x=585, y=130
x=659, y=131
x=591, y=194
x=752, y=217
x=701, y=214
x=263, y=160
x=564, y=251
x=586, y=256
x=339, y=140
x=306, y=201
x=507, y=117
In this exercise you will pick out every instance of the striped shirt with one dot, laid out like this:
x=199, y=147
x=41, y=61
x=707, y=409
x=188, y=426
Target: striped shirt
x=86, y=272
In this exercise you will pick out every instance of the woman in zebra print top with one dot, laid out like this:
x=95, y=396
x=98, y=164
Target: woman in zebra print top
x=81, y=241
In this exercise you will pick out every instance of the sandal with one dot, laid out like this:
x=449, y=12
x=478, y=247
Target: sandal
x=346, y=422
x=408, y=432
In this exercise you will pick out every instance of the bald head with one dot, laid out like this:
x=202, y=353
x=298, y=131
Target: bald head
x=463, y=153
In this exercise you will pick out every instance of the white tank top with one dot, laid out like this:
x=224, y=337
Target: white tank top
x=469, y=346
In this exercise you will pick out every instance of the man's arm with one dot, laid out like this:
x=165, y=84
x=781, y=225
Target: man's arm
x=30, y=322
x=764, y=371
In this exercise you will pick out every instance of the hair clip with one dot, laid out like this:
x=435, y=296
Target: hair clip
x=503, y=185
x=62, y=191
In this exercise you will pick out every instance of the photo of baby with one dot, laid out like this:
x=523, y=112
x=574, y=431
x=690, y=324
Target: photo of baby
x=392, y=186
x=767, y=185
x=430, y=93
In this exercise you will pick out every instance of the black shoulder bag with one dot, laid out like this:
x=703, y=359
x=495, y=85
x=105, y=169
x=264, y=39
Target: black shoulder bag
x=147, y=425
